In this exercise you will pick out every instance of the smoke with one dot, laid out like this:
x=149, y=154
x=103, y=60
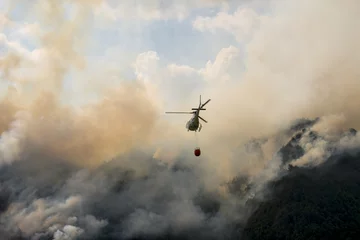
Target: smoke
x=300, y=63
x=87, y=136
x=56, y=182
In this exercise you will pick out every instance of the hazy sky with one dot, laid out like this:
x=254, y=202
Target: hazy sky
x=177, y=44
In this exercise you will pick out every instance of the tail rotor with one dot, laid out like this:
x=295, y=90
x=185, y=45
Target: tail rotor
x=201, y=107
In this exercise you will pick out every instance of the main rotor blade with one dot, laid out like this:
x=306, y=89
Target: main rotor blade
x=205, y=103
x=181, y=112
x=202, y=119
x=198, y=109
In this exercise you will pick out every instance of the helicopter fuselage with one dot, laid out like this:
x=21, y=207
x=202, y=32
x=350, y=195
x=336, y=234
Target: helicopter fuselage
x=193, y=123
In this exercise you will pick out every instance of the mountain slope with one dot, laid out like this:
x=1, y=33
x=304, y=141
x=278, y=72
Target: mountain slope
x=311, y=202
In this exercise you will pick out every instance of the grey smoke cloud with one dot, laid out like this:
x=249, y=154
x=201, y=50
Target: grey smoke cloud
x=55, y=182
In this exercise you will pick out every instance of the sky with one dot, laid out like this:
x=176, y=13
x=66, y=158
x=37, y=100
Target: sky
x=263, y=63
x=191, y=42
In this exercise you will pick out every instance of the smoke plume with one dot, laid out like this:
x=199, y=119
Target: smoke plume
x=114, y=169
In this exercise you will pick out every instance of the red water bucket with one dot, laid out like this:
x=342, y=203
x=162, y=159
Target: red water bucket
x=197, y=152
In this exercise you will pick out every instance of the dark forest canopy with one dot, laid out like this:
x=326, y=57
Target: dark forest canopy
x=318, y=203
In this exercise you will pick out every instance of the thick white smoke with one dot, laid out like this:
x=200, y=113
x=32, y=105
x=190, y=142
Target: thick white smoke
x=301, y=61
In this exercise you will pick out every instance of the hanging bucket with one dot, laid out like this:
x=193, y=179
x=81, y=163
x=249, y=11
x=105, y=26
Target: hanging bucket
x=197, y=152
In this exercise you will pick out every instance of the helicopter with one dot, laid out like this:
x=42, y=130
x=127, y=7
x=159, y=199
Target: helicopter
x=194, y=124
